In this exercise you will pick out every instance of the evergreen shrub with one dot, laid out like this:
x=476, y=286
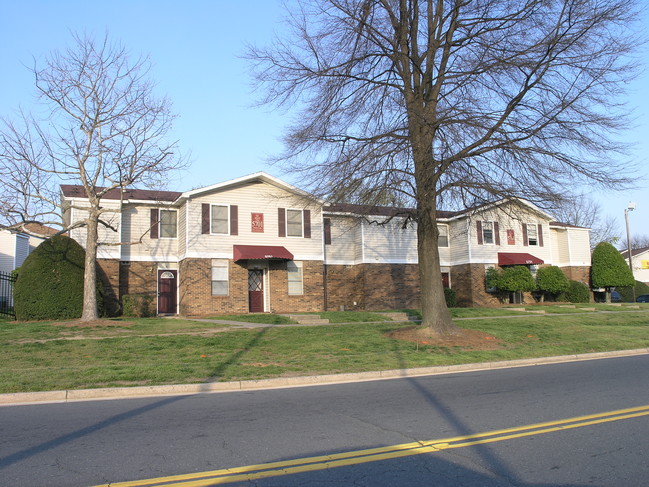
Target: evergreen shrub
x=50, y=281
x=451, y=297
x=138, y=305
x=577, y=292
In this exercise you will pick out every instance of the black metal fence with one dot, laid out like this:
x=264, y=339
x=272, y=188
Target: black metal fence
x=7, y=294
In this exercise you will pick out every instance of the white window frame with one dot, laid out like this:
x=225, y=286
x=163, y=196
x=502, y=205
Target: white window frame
x=301, y=213
x=227, y=220
x=160, y=212
x=445, y=235
x=532, y=228
x=491, y=230
x=218, y=267
x=295, y=276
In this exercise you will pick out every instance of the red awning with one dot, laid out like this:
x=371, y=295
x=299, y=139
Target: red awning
x=512, y=258
x=244, y=252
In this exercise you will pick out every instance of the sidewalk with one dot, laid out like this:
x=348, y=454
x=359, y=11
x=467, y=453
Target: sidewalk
x=24, y=398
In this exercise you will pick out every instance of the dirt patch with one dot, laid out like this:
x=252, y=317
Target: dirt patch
x=465, y=339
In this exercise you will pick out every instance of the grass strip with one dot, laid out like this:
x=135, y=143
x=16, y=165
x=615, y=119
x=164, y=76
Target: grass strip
x=41, y=356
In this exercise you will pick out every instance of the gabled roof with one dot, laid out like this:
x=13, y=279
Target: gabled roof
x=634, y=252
x=260, y=177
x=387, y=211
x=76, y=191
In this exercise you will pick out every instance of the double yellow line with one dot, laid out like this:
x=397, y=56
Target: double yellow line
x=310, y=464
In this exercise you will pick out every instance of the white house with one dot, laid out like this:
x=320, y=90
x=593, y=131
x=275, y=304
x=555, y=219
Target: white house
x=259, y=244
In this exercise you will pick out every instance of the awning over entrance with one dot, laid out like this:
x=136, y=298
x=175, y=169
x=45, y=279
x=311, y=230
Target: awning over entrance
x=513, y=258
x=244, y=252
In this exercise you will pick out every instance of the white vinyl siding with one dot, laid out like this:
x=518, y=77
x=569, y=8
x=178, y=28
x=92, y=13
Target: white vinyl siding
x=136, y=224
x=251, y=198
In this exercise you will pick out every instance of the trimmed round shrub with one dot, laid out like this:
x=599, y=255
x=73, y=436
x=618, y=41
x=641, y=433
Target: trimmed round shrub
x=577, y=292
x=50, y=281
x=551, y=281
x=609, y=268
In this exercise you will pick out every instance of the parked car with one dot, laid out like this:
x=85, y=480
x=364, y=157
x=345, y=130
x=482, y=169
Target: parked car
x=643, y=298
x=615, y=297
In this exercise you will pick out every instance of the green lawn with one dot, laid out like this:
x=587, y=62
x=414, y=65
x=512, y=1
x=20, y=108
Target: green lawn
x=42, y=356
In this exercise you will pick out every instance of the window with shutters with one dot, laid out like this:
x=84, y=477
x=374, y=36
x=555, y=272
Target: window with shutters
x=532, y=234
x=293, y=223
x=219, y=220
x=220, y=277
x=295, y=281
x=168, y=223
x=488, y=232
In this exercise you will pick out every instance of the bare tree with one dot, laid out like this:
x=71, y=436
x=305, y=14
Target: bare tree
x=451, y=101
x=582, y=211
x=637, y=242
x=101, y=127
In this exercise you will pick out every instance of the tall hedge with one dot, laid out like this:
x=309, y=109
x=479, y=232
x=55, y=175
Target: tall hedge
x=50, y=281
x=609, y=269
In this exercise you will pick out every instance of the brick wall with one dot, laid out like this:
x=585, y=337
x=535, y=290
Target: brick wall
x=575, y=273
x=195, y=289
x=391, y=286
x=108, y=272
x=468, y=281
x=345, y=287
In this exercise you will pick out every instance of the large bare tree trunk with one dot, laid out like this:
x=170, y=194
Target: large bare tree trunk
x=90, y=312
x=434, y=312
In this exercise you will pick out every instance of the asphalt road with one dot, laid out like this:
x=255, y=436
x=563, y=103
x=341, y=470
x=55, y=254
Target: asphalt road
x=434, y=431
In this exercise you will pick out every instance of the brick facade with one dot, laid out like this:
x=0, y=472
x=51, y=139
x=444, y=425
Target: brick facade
x=348, y=287
x=468, y=281
x=195, y=288
x=108, y=272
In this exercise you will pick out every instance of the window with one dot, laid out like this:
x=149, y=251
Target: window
x=168, y=224
x=532, y=234
x=219, y=219
x=488, y=232
x=294, y=270
x=443, y=236
x=294, y=223
x=219, y=277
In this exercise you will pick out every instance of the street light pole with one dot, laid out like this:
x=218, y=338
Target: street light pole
x=630, y=207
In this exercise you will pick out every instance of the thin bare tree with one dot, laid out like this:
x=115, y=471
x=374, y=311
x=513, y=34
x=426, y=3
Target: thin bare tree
x=581, y=210
x=98, y=125
x=451, y=101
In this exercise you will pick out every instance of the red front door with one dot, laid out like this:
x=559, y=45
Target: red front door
x=167, y=291
x=256, y=290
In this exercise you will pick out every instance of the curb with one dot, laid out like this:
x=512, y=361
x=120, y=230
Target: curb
x=53, y=397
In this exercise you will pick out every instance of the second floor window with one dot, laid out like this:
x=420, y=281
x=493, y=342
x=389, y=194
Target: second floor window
x=293, y=223
x=168, y=224
x=219, y=219
x=488, y=232
x=532, y=235
x=443, y=236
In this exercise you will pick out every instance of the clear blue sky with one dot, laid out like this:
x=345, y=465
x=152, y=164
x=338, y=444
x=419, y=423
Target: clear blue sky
x=195, y=47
